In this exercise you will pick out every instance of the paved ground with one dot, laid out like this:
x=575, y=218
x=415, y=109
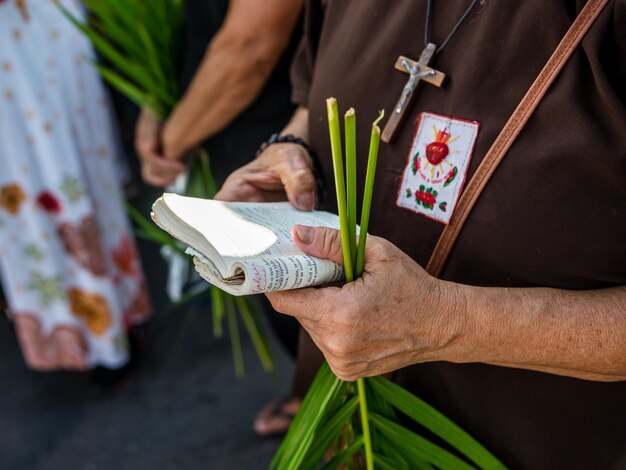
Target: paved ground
x=184, y=410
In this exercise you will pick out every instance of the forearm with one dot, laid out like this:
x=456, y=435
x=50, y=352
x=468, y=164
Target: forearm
x=236, y=67
x=298, y=124
x=574, y=333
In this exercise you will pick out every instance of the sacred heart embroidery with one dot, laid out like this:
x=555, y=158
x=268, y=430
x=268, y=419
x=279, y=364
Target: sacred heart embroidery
x=437, y=165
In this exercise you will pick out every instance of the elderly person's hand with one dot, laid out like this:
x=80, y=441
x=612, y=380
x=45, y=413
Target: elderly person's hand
x=282, y=172
x=393, y=316
x=155, y=168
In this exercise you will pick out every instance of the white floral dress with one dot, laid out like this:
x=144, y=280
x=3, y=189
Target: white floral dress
x=68, y=264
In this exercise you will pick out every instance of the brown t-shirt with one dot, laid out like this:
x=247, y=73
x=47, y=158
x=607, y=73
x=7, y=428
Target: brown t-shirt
x=553, y=214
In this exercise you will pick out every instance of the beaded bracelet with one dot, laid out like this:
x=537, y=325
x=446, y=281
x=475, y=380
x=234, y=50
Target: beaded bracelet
x=292, y=139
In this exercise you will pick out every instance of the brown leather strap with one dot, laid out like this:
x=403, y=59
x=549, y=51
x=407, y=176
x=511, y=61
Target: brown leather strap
x=511, y=130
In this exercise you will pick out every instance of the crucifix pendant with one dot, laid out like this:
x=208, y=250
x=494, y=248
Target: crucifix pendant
x=418, y=71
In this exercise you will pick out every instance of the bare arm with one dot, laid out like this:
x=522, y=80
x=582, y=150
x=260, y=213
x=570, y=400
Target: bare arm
x=237, y=64
x=397, y=315
x=575, y=333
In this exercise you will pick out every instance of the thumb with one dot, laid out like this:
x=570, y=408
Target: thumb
x=320, y=242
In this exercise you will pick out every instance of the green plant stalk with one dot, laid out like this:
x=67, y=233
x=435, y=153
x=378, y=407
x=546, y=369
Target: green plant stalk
x=433, y=420
x=365, y=422
x=217, y=304
x=372, y=159
x=335, y=145
x=350, y=141
x=347, y=227
x=257, y=341
x=233, y=329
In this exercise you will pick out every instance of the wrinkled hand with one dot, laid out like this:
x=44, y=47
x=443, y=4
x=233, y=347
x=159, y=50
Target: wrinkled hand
x=393, y=316
x=155, y=168
x=282, y=172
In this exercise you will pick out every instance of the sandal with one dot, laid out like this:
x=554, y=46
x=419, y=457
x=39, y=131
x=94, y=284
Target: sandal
x=276, y=416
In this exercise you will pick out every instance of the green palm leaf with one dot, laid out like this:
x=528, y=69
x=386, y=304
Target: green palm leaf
x=302, y=431
x=329, y=432
x=434, y=421
x=413, y=445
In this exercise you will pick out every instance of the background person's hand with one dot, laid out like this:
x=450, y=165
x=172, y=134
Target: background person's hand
x=155, y=169
x=393, y=316
x=282, y=172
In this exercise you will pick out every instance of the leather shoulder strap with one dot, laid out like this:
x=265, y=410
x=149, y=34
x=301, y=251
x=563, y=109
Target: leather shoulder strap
x=511, y=130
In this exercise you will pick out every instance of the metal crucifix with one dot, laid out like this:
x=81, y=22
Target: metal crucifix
x=418, y=71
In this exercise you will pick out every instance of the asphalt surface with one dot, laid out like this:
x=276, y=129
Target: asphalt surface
x=184, y=408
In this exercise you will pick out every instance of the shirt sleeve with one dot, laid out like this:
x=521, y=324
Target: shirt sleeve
x=303, y=65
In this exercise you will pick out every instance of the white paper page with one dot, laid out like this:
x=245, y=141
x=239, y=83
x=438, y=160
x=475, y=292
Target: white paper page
x=256, y=238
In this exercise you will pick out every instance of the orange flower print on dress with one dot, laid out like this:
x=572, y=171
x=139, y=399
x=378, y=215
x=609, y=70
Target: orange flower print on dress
x=92, y=309
x=11, y=197
x=82, y=242
x=21, y=6
x=124, y=256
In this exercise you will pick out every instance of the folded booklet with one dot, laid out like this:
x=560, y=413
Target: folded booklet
x=246, y=247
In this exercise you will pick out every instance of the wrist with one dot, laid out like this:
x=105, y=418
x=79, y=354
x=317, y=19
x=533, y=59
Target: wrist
x=180, y=131
x=454, y=307
x=315, y=164
x=173, y=145
x=277, y=138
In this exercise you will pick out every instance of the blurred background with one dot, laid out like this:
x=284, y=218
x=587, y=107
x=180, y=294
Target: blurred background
x=104, y=361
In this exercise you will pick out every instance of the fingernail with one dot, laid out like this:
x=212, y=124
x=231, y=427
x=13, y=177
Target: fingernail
x=306, y=201
x=305, y=234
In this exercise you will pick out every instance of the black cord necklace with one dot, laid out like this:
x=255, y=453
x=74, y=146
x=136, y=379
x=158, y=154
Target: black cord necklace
x=429, y=7
x=418, y=72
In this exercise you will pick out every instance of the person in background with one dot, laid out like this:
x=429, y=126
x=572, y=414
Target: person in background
x=522, y=339
x=235, y=76
x=68, y=264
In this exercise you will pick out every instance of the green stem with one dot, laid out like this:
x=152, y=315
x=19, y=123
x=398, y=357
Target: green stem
x=367, y=195
x=207, y=174
x=350, y=133
x=335, y=145
x=367, y=439
x=233, y=329
x=217, y=308
x=260, y=345
x=347, y=227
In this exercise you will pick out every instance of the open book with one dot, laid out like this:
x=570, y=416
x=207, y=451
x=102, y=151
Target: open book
x=246, y=247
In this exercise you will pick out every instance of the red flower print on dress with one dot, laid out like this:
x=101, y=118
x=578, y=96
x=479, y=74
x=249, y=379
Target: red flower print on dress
x=83, y=243
x=49, y=202
x=124, y=256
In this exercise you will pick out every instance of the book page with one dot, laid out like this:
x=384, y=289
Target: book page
x=278, y=219
x=281, y=265
x=253, y=242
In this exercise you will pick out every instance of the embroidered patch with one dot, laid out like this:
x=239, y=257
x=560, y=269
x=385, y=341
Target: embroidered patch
x=437, y=165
